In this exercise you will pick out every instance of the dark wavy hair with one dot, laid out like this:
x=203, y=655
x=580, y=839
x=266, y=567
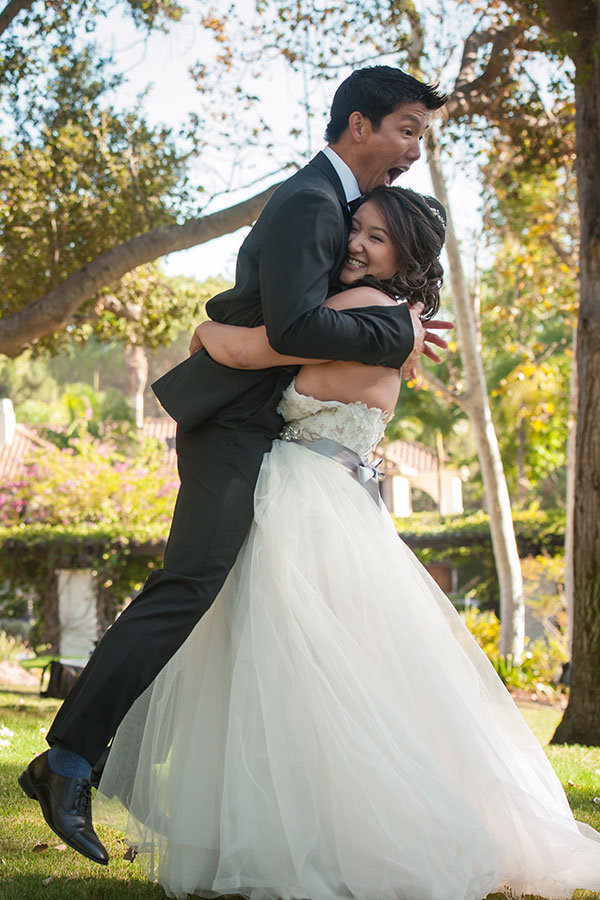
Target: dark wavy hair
x=416, y=225
x=377, y=91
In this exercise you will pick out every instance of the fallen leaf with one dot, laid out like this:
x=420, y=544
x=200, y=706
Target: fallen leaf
x=130, y=854
x=47, y=880
x=571, y=782
x=39, y=847
x=60, y=847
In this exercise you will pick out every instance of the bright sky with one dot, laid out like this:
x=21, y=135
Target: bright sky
x=163, y=62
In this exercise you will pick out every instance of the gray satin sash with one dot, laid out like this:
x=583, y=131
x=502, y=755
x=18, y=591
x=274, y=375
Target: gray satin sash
x=366, y=474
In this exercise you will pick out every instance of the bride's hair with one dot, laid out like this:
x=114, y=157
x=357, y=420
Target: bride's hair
x=417, y=227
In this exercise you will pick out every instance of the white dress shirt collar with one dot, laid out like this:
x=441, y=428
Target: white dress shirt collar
x=345, y=174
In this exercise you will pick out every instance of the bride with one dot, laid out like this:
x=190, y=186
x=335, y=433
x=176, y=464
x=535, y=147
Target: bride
x=330, y=729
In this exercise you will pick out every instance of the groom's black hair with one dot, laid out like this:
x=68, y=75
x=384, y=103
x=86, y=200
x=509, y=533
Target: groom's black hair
x=377, y=91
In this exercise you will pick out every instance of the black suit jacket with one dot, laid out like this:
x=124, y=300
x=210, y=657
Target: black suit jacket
x=285, y=270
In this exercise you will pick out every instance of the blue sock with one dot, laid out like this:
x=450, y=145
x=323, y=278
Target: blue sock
x=66, y=762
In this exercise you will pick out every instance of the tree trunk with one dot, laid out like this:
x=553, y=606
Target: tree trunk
x=136, y=365
x=11, y=11
x=521, y=493
x=55, y=309
x=581, y=722
x=476, y=403
x=570, y=498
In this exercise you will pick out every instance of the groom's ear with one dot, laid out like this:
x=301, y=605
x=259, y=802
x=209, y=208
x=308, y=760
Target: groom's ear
x=358, y=127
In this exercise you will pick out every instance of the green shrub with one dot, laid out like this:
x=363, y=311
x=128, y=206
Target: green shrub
x=465, y=543
x=120, y=561
x=12, y=648
x=542, y=660
x=485, y=628
x=90, y=504
x=92, y=483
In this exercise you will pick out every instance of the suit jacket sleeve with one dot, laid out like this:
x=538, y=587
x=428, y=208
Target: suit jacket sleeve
x=300, y=249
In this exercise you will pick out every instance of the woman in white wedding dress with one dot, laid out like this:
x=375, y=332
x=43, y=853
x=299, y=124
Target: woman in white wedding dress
x=330, y=729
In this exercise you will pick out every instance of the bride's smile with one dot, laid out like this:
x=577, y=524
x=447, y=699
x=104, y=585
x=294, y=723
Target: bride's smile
x=370, y=248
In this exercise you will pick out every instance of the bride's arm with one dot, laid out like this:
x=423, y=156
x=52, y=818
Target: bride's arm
x=248, y=348
x=243, y=348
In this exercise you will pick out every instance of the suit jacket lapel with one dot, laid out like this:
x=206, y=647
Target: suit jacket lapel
x=321, y=162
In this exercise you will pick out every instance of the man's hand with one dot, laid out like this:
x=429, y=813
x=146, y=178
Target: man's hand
x=196, y=342
x=423, y=337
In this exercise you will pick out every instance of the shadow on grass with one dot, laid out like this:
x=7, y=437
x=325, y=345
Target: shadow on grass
x=21, y=692
x=32, y=887
x=64, y=887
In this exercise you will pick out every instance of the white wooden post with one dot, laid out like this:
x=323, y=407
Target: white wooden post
x=7, y=421
x=76, y=615
x=401, y=499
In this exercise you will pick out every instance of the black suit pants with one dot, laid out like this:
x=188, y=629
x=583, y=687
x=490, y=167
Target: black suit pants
x=218, y=466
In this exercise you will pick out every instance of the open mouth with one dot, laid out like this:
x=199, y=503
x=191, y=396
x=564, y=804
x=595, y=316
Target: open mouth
x=355, y=263
x=392, y=174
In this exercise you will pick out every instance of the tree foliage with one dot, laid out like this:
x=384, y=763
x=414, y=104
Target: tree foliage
x=77, y=178
x=88, y=191
x=528, y=313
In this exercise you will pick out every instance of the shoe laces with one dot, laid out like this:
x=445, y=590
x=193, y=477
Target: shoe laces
x=83, y=798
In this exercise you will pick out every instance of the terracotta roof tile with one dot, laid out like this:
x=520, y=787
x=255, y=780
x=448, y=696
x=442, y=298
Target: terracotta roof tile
x=14, y=456
x=403, y=457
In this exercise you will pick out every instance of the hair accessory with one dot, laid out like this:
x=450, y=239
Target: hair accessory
x=438, y=214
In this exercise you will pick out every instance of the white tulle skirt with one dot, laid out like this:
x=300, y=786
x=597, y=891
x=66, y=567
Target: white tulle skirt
x=331, y=730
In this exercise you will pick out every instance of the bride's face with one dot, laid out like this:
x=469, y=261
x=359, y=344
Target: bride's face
x=370, y=248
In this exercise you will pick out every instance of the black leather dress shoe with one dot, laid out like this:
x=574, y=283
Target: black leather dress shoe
x=66, y=806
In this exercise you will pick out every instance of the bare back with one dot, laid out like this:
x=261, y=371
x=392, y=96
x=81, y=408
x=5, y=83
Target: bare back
x=352, y=382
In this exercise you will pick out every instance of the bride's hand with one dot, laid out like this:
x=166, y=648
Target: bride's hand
x=409, y=372
x=423, y=337
x=196, y=341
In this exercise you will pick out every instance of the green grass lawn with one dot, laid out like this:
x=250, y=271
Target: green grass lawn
x=53, y=872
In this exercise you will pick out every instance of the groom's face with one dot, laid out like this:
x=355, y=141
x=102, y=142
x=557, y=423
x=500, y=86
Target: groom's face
x=392, y=147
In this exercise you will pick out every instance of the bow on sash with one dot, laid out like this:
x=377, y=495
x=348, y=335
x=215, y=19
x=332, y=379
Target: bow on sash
x=366, y=474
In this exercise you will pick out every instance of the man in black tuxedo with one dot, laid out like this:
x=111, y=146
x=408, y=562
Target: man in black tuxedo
x=227, y=418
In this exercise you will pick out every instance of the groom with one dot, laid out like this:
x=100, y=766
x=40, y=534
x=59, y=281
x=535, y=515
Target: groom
x=228, y=420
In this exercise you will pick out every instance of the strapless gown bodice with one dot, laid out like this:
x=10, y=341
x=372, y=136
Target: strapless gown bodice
x=354, y=425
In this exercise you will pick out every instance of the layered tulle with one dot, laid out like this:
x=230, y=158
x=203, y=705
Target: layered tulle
x=330, y=729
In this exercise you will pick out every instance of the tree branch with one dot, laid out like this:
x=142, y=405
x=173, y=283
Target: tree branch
x=567, y=258
x=436, y=384
x=414, y=51
x=11, y=11
x=485, y=94
x=472, y=92
x=130, y=311
x=567, y=15
x=56, y=309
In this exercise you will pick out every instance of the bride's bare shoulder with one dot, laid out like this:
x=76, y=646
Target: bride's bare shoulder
x=356, y=297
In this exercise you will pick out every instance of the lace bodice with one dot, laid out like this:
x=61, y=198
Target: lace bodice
x=354, y=425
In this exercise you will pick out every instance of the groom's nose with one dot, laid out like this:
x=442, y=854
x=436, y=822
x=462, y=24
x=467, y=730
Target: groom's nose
x=414, y=150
